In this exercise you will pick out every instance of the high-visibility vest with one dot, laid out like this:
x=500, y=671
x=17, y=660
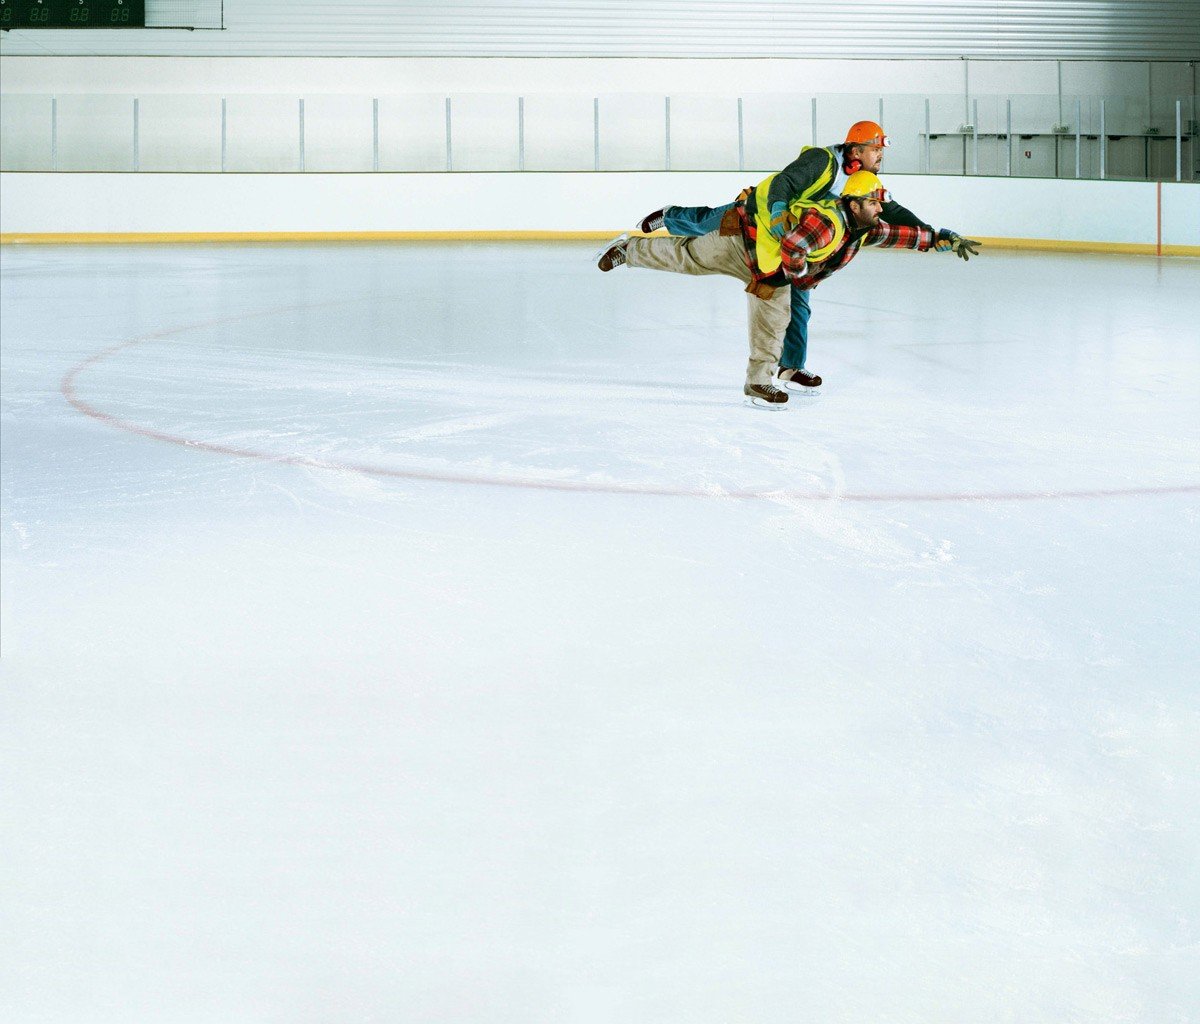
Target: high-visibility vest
x=767, y=252
x=767, y=249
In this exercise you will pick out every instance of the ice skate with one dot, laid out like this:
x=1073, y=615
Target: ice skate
x=652, y=222
x=800, y=381
x=765, y=396
x=613, y=254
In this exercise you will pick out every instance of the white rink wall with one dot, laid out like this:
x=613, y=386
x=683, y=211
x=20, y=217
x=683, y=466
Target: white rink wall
x=1117, y=212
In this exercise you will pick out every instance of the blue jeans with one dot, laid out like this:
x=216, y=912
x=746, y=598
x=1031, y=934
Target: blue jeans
x=690, y=221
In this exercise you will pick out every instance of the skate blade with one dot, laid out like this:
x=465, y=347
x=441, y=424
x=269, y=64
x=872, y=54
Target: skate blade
x=797, y=389
x=762, y=403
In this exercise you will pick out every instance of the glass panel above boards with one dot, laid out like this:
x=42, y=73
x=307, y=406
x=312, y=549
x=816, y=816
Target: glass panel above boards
x=1086, y=136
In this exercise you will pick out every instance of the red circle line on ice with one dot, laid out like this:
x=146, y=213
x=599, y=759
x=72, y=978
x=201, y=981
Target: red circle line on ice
x=70, y=393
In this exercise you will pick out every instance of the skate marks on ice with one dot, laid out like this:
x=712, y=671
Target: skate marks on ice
x=551, y=430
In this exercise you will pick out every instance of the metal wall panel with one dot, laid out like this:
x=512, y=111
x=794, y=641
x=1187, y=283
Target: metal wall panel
x=1051, y=29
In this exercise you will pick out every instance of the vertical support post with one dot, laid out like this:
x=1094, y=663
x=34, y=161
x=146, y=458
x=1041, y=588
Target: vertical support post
x=879, y=121
x=966, y=88
x=1008, y=136
x=449, y=148
x=596, y=134
x=741, y=138
x=520, y=133
x=1079, y=138
x=667, y=122
x=224, y=132
x=54, y=133
x=1058, y=64
x=375, y=133
x=975, y=136
x=137, y=157
x=814, y=120
x=1103, y=143
x=1179, y=140
x=1149, y=104
x=301, y=133
x=928, y=129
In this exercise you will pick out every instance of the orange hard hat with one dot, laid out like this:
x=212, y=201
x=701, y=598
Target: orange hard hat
x=866, y=133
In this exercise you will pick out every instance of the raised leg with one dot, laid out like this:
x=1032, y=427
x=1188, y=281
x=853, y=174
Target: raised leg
x=691, y=221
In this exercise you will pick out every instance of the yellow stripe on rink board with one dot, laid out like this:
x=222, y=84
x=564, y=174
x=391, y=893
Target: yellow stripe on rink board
x=159, y=238
x=1122, y=248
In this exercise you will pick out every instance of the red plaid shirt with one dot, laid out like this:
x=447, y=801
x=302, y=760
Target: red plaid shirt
x=813, y=231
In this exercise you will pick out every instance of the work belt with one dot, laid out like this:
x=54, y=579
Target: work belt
x=731, y=224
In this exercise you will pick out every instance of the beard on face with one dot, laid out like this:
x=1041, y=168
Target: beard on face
x=863, y=217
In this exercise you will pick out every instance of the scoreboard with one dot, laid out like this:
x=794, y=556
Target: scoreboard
x=72, y=14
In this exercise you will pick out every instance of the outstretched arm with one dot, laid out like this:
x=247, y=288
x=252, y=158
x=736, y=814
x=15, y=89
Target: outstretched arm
x=946, y=240
x=900, y=236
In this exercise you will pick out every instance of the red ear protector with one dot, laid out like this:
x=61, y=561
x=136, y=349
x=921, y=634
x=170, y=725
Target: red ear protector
x=854, y=164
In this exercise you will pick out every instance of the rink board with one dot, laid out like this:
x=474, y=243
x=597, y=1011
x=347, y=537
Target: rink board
x=1105, y=216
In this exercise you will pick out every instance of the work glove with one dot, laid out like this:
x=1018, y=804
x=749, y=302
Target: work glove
x=949, y=241
x=782, y=220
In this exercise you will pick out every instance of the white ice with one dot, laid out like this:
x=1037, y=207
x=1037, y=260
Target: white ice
x=428, y=633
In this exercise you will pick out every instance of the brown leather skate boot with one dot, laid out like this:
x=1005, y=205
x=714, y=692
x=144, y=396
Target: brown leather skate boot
x=800, y=381
x=765, y=396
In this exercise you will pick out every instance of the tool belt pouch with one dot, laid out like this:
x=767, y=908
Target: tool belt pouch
x=730, y=222
x=760, y=290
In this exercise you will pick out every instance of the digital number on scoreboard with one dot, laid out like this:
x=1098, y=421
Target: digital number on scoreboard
x=72, y=14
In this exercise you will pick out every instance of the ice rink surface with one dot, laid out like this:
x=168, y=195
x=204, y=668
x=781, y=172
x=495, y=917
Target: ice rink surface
x=429, y=633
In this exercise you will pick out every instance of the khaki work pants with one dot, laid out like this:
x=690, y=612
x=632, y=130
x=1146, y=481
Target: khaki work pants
x=715, y=253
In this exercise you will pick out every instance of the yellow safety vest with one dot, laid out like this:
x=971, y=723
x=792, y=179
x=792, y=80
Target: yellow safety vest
x=767, y=250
